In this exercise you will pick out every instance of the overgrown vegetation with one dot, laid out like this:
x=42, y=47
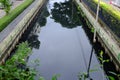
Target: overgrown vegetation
x=4, y=21
x=15, y=68
x=84, y=75
x=109, y=9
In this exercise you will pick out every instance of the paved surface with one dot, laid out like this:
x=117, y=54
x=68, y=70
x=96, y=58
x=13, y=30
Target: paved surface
x=12, y=25
x=8, y=35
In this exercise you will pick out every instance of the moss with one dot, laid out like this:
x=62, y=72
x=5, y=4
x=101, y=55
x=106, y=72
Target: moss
x=4, y=21
x=115, y=13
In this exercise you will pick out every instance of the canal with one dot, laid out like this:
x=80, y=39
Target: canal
x=60, y=44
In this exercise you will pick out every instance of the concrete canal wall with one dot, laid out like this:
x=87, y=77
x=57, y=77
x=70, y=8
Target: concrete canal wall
x=108, y=42
x=12, y=33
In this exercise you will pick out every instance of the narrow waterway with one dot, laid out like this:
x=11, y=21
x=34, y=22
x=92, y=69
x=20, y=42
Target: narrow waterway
x=60, y=44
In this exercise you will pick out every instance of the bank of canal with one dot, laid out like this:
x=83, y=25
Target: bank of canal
x=61, y=45
x=12, y=33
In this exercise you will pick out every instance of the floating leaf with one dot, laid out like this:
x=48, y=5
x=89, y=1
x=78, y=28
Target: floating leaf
x=54, y=77
x=41, y=78
x=92, y=30
x=101, y=53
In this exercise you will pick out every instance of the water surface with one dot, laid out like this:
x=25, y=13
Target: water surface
x=60, y=44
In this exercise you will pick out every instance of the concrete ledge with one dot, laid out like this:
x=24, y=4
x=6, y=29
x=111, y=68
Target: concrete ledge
x=11, y=34
x=110, y=44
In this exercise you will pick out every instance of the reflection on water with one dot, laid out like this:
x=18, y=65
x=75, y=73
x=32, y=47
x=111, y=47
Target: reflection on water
x=33, y=37
x=42, y=18
x=66, y=14
x=88, y=70
x=64, y=51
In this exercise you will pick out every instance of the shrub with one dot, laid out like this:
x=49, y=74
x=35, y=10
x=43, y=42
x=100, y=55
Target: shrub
x=15, y=68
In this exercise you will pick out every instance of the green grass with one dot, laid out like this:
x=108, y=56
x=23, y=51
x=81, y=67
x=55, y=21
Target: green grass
x=115, y=13
x=4, y=21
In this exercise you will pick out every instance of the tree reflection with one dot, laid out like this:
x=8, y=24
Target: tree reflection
x=33, y=37
x=41, y=21
x=34, y=42
x=66, y=14
x=42, y=18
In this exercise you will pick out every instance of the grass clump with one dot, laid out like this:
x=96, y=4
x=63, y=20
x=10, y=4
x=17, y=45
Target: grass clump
x=4, y=21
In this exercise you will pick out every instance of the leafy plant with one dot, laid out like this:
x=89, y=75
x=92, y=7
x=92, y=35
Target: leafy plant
x=41, y=78
x=92, y=30
x=54, y=77
x=102, y=59
x=15, y=67
x=21, y=53
x=82, y=76
x=85, y=75
x=117, y=75
x=7, y=5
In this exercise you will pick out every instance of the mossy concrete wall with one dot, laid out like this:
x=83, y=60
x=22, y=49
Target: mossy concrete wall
x=111, y=46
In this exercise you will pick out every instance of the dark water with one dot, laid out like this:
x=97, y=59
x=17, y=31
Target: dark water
x=60, y=44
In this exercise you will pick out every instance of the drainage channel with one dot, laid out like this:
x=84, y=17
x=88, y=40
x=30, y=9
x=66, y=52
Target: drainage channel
x=61, y=42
